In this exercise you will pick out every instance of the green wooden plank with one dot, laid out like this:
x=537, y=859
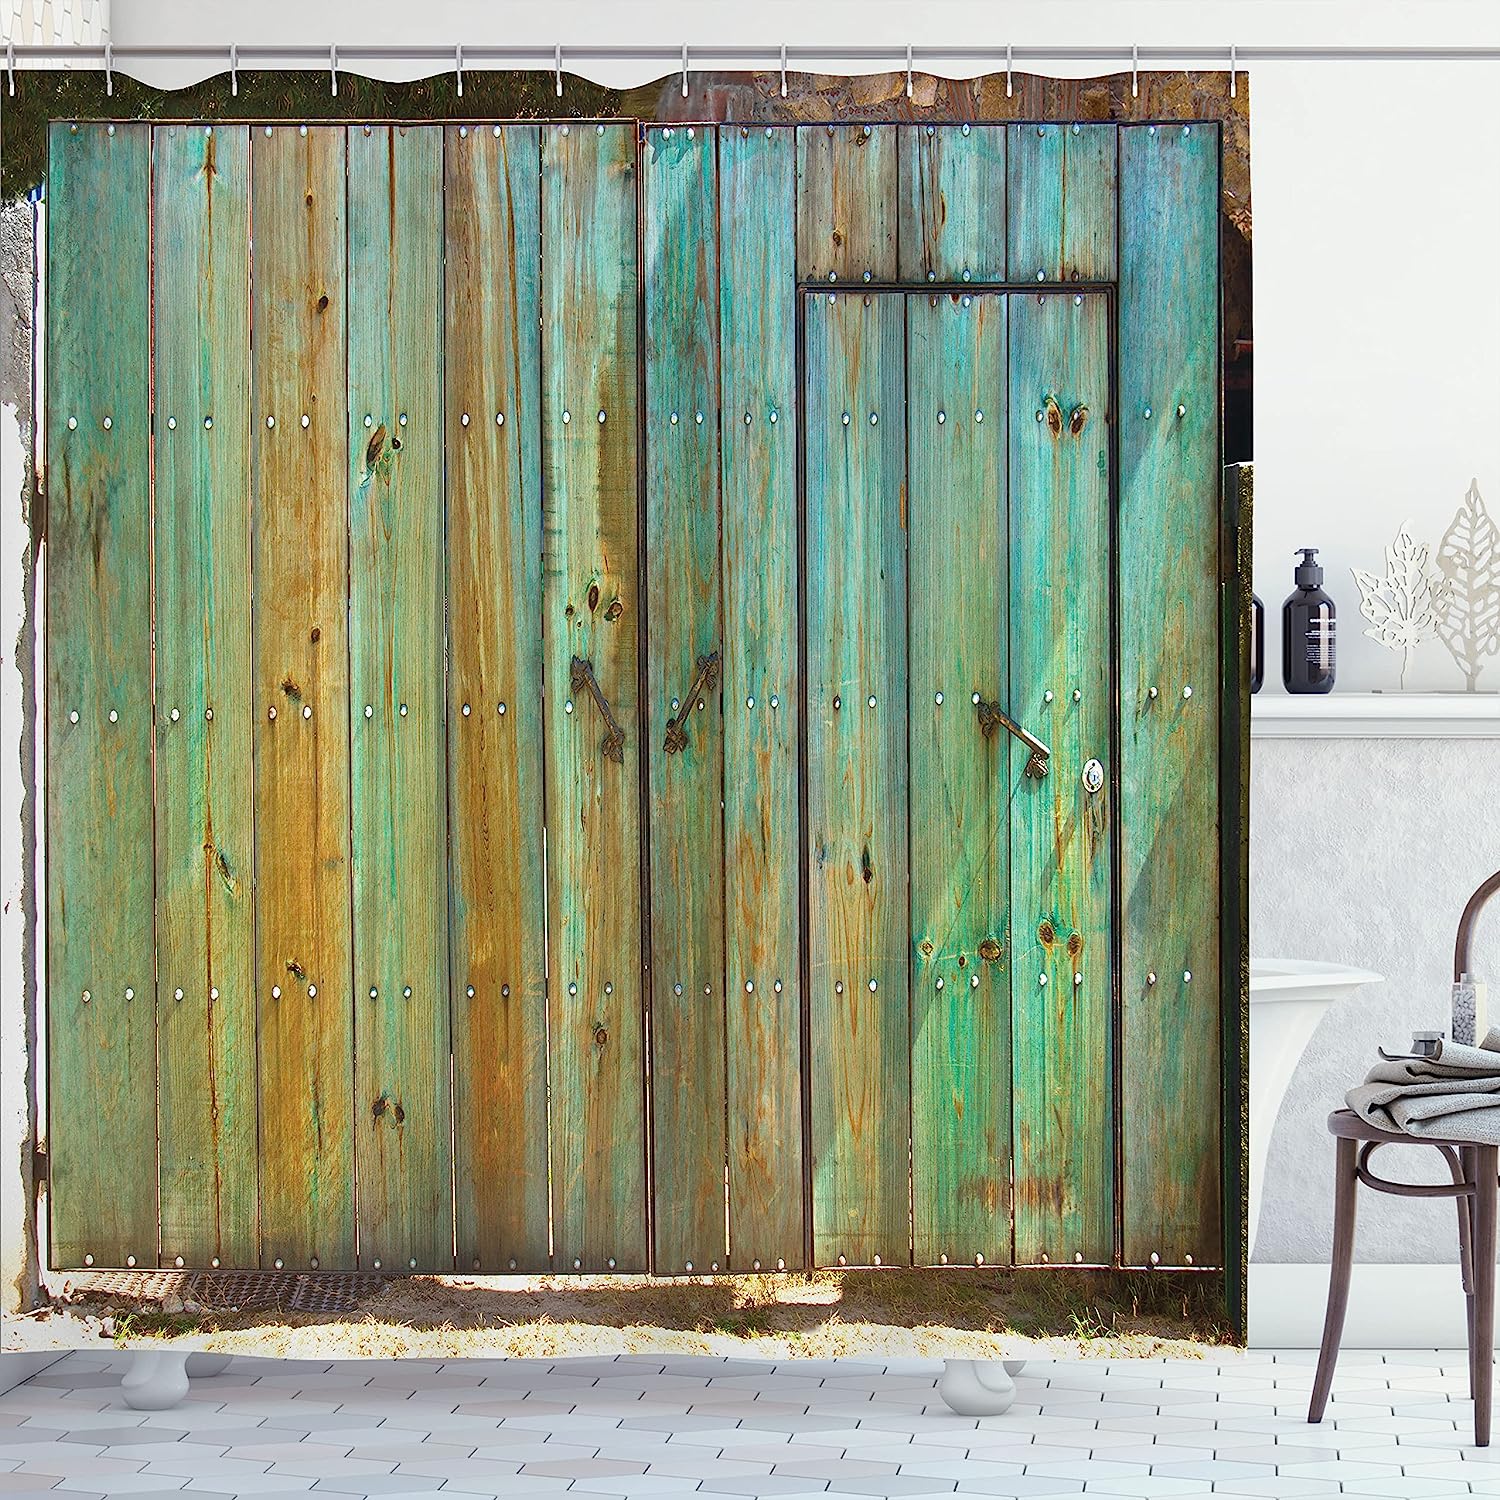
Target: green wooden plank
x=398, y=751
x=497, y=896
x=952, y=203
x=101, y=1026
x=590, y=506
x=856, y=792
x=1061, y=940
x=204, y=835
x=1169, y=649
x=679, y=186
x=958, y=586
x=1062, y=202
x=846, y=203
x=758, y=380
x=301, y=568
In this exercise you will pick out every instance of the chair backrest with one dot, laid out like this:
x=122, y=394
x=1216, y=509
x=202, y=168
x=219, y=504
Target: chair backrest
x=1466, y=922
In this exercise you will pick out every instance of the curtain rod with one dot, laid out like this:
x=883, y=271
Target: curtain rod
x=466, y=54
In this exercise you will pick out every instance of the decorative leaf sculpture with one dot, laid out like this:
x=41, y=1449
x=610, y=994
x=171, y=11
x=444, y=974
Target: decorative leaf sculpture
x=1403, y=607
x=1469, y=614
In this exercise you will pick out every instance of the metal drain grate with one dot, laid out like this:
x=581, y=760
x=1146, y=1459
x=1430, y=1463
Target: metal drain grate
x=239, y=1291
x=334, y=1293
x=131, y=1286
x=243, y=1291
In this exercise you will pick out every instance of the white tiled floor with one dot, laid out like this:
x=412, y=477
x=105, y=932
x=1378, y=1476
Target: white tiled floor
x=1398, y=1426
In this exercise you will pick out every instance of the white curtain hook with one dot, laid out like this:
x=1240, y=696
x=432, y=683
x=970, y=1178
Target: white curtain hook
x=783, y=70
x=458, y=67
x=1135, y=71
x=684, y=70
x=234, y=70
x=908, y=70
x=1007, y=71
x=1233, y=70
x=557, y=64
x=333, y=69
x=109, y=69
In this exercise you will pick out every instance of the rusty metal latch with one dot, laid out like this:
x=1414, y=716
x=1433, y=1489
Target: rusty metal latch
x=705, y=680
x=613, y=743
x=991, y=716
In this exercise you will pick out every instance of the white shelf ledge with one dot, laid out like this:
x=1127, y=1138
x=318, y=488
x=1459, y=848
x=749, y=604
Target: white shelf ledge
x=1345, y=716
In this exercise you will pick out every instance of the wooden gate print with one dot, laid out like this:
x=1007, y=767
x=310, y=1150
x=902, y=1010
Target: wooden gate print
x=633, y=697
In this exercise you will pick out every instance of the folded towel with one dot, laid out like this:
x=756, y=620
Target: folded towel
x=1453, y=1096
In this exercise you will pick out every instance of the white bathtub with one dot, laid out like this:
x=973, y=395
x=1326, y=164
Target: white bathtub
x=1288, y=997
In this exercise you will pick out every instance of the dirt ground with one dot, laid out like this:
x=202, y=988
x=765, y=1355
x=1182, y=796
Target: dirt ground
x=981, y=1313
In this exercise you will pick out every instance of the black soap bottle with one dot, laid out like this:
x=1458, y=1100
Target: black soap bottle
x=1308, y=626
x=1257, y=643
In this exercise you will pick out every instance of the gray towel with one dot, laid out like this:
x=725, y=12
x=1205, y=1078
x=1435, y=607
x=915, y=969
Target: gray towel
x=1453, y=1096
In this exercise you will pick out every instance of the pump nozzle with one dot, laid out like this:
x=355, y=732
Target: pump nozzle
x=1309, y=574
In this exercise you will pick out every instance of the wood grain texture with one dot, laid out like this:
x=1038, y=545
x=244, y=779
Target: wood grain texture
x=205, y=865
x=1061, y=941
x=758, y=380
x=1062, y=202
x=589, y=278
x=1169, y=642
x=398, y=754
x=846, y=203
x=679, y=186
x=856, y=767
x=952, y=225
x=301, y=567
x=497, y=895
x=101, y=1031
x=958, y=584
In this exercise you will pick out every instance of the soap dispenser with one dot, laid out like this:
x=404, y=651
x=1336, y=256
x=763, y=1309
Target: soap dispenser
x=1308, y=625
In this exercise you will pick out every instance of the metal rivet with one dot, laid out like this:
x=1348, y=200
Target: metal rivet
x=1077, y=980
x=1047, y=696
x=403, y=710
x=1147, y=413
x=499, y=419
x=1187, y=692
x=871, y=700
x=276, y=992
x=208, y=422
x=305, y=419
x=1187, y=976
x=1151, y=130
x=500, y=708
x=940, y=983
x=171, y=424
x=567, y=417
x=978, y=415
x=838, y=987
x=72, y=423
x=1151, y=977
x=108, y=423
x=307, y=710
x=775, y=701
x=601, y=415
x=73, y=717
x=114, y=716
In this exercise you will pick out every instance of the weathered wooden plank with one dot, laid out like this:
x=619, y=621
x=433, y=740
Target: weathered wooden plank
x=204, y=846
x=101, y=1032
x=1061, y=941
x=684, y=722
x=758, y=380
x=497, y=896
x=399, y=815
x=846, y=203
x=301, y=565
x=856, y=759
x=1169, y=696
x=590, y=512
x=1062, y=202
x=958, y=585
x=952, y=203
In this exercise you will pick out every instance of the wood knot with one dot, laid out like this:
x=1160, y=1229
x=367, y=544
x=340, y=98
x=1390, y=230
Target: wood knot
x=614, y=610
x=1078, y=420
x=1047, y=933
x=989, y=950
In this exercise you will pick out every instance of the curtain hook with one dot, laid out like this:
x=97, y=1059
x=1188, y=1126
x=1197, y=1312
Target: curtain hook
x=557, y=64
x=783, y=70
x=684, y=70
x=333, y=69
x=1135, y=71
x=234, y=70
x=1007, y=71
x=908, y=70
x=458, y=67
x=109, y=69
x=10, y=65
x=1233, y=70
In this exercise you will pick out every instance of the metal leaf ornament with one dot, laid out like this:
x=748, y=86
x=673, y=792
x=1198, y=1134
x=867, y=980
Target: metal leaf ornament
x=1403, y=607
x=1469, y=614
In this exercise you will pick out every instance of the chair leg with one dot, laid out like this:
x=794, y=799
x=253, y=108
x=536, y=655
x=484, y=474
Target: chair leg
x=1467, y=1173
x=1344, y=1188
x=1482, y=1338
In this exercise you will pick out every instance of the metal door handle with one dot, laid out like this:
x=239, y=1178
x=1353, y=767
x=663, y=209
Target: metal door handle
x=992, y=715
x=613, y=743
x=705, y=679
